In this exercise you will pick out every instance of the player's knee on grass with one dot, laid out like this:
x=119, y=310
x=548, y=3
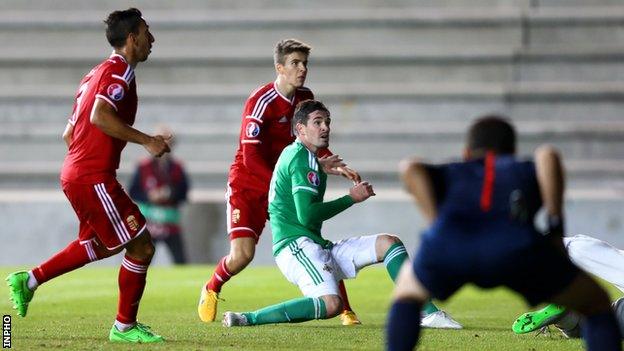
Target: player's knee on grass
x=141, y=247
x=333, y=305
x=383, y=243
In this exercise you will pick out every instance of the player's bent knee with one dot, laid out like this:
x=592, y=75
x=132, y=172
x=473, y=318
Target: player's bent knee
x=333, y=305
x=242, y=256
x=383, y=243
x=141, y=247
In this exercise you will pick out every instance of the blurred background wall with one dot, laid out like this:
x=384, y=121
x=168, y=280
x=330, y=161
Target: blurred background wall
x=401, y=78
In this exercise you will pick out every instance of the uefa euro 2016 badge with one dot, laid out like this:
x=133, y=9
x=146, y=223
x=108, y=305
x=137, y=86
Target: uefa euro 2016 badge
x=235, y=216
x=132, y=223
x=115, y=91
x=313, y=178
x=252, y=130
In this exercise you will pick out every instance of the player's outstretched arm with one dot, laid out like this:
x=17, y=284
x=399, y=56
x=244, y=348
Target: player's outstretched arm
x=418, y=183
x=550, y=177
x=106, y=119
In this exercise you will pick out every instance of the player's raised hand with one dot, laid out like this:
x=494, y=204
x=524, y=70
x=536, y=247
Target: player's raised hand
x=350, y=174
x=331, y=164
x=158, y=145
x=361, y=191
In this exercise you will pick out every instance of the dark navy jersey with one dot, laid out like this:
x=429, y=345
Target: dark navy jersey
x=484, y=232
x=480, y=196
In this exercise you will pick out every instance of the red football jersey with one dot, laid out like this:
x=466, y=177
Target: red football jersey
x=265, y=131
x=94, y=156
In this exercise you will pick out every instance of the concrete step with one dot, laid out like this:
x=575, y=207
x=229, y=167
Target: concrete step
x=263, y=28
x=516, y=91
x=330, y=65
x=382, y=140
x=243, y=5
x=447, y=27
x=572, y=25
x=606, y=174
x=426, y=102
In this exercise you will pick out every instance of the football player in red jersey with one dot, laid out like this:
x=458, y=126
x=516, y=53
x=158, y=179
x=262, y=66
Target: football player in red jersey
x=98, y=130
x=265, y=132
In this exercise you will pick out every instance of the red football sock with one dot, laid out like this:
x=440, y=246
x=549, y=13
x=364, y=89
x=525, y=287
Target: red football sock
x=220, y=276
x=75, y=255
x=131, y=285
x=344, y=297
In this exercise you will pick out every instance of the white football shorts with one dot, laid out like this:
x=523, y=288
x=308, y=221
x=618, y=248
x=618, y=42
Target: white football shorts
x=317, y=271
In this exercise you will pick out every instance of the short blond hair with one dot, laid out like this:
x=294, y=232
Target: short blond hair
x=288, y=46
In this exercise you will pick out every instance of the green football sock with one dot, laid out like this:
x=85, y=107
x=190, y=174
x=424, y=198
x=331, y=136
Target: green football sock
x=394, y=258
x=291, y=311
x=429, y=307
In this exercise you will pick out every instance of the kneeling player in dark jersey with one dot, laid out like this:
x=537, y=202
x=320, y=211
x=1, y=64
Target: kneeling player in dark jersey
x=481, y=213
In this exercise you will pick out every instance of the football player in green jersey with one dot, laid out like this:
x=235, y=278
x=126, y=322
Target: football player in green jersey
x=297, y=211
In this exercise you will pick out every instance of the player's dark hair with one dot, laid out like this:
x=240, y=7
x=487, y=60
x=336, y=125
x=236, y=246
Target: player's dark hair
x=119, y=24
x=492, y=133
x=303, y=110
x=288, y=46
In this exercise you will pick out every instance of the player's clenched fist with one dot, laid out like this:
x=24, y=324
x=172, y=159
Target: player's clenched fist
x=158, y=145
x=361, y=191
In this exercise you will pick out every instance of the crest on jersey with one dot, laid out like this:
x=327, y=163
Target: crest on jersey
x=115, y=91
x=132, y=223
x=252, y=130
x=313, y=178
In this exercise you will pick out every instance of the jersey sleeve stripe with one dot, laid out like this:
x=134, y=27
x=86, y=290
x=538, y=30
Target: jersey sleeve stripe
x=263, y=102
x=246, y=141
x=128, y=74
x=260, y=101
x=312, y=161
x=301, y=187
x=261, y=113
x=120, y=78
x=100, y=96
x=255, y=119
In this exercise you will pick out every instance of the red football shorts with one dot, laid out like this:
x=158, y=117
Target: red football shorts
x=105, y=211
x=247, y=212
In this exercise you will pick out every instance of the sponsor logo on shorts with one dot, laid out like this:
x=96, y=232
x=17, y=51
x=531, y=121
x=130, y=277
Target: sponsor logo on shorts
x=313, y=178
x=132, y=223
x=235, y=216
x=6, y=331
x=252, y=130
x=327, y=268
x=115, y=91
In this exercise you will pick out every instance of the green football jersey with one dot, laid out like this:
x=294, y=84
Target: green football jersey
x=297, y=169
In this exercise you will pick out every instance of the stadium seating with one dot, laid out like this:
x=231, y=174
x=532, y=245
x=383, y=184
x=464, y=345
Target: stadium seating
x=401, y=77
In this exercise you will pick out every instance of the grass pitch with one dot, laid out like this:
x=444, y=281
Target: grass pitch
x=76, y=311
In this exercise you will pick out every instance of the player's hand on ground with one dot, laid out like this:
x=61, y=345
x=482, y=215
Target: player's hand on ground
x=331, y=164
x=350, y=174
x=361, y=191
x=158, y=145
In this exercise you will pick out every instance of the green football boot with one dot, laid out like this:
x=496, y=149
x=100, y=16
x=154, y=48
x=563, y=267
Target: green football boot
x=531, y=321
x=140, y=333
x=19, y=291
